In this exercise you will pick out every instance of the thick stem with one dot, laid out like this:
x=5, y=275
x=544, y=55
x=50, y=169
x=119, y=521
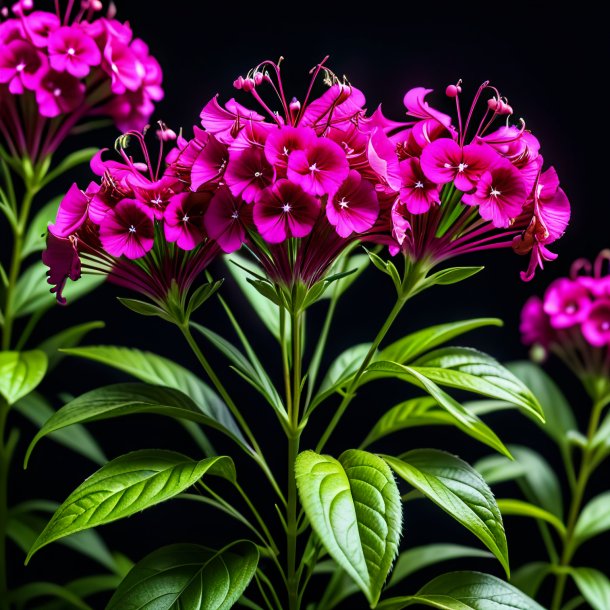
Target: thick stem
x=585, y=472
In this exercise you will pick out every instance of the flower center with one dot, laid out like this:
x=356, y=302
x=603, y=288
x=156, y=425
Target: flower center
x=419, y=185
x=132, y=229
x=461, y=167
x=57, y=92
x=235, y=215
x=20, y=67
x=495, y=192
x=605, y=325
x=114, y=68
x=286, y=151
x=71, y=51
x=313, y=168
x=571, y=308
x=258, y=174
x=185, y=218
x=343, y=203
x=156, y=201
x=286, y=208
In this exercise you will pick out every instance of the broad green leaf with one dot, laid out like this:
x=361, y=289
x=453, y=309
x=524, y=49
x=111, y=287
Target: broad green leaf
x=256, y=376
x=34, y=590
x=144, y=308
x=189, y=577
x=126, y=399
x=406, y=349
x=267, y=311
x=355, y=265
x=156, y=370
x=354, y=506
x=421, y=557
x=66, y=339
x=519, y=508
x=459, y=490
x=35, y=237
x=33, y=293
x=70, y=161
x=127, y=485
x=559, y=418
x=529, y=578
x=594, y=519
x=465, y=591
x=468, y=369
x=20, y=373
x=594, y=587
x=25, y=527
x=536, y=478
x=465, y=420
x=339, y=373
x=453, y=275
x=36, y=408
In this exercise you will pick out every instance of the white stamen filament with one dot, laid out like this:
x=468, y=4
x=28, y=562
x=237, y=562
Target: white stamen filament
x=462, y=166
x=157, y=201
x=343, y=203
x=419, y=185
x=132, y=229
x=235, y=215
x=313, y=168
x=57, y=92
x=114, y=68
x=286, y=208
x=258, y=174
x=495, y=192
x=20, y=67
x=71, y=51
x=185, y=218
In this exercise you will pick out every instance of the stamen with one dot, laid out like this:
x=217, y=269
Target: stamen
x=132, y=229
x=286, y=208
x=343, y=203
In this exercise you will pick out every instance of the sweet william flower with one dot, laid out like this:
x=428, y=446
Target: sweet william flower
x=226, y=219
x=416, y=191
x=535, y=325
x=128, y=229
x=596, y=326
x=59, y=93
x=21, y=66
x=285, y=210
x=248, y=173
x=71, y=50
x=184, y=219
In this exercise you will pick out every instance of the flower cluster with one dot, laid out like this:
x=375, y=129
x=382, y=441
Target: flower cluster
x=295, y=185
x=141, y=227
x=56, y=69
x=573, y=318
x=467, y=187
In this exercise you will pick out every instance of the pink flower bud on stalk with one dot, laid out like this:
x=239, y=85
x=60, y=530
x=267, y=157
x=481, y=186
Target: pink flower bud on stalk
x=58, y=69
x=572, y=320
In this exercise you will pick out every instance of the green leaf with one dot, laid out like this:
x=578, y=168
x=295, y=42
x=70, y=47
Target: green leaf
x=459, y=490
x=256, y=376
x=201, y=295
x=143, y=308
x=20, y=373
x=529, y=578
x=465, y=420
x=354, y=507
x=266, y=310
x=468, y=369
x=92, y=585
x=127, y=485
x=452, y=275
x=559, y=418
x=127, y=399
x=65, y=339
x=36, y=408
x=536, y=478
x=340, y=372
x=189, y=577
x=156, y=370
x=594, y=587
x=421, y=557
x=33, y=293
x=465, y=591
x=519, y=508
x=34, y=590
x=600, y=443
x=72, y=160
x=35, y=238
x=355, y=264
x=406, y=349
x=594, y=519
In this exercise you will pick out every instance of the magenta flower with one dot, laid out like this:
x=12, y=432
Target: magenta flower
x=71, y=214
x=209, y=160
x=40, y=25
x=354, y=207
x=285, y=210
x=320, y=168
x=446, y=161
x=184, y=219
x=225, y=123
x=416, y=191
x=500, y=194
x=61, y=256
x=226, y=219
x=415, y=102
x=71, y=50
x=567, y=303
x=125, y=71
x=281, y=142
x=59, y=93
x=128, y=229
x=535, y=325
x=21, y=66
x=248, y=173
x=596, y=326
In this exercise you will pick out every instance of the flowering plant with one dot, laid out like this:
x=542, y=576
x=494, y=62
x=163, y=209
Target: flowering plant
x=571, y=321
x=297, y=191
x=62, y=73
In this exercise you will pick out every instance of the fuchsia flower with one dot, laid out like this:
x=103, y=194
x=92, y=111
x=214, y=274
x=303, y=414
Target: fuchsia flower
x=226, y=220
x=67, y=67
x=454, y=195
x=573, y=319
x=184, y=219
x=128, y=229
x=248, y=173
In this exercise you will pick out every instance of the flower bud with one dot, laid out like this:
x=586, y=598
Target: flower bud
x=248, y=85
x=452, y=91
x=258, y=78
x=238, y=83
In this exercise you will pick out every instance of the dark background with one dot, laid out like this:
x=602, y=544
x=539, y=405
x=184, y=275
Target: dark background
x=552, y=66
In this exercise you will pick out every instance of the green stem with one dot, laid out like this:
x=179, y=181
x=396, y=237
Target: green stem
x=294, y=436
x=585, y=472
x=258, y=456
x=258, y=518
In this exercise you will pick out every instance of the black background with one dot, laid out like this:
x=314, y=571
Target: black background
x=551, y=63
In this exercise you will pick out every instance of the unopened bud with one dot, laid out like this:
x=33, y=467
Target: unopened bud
x=258, y=78
x=238, y=83
x=248, y=85
x=453, y=90
x=294, y=107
